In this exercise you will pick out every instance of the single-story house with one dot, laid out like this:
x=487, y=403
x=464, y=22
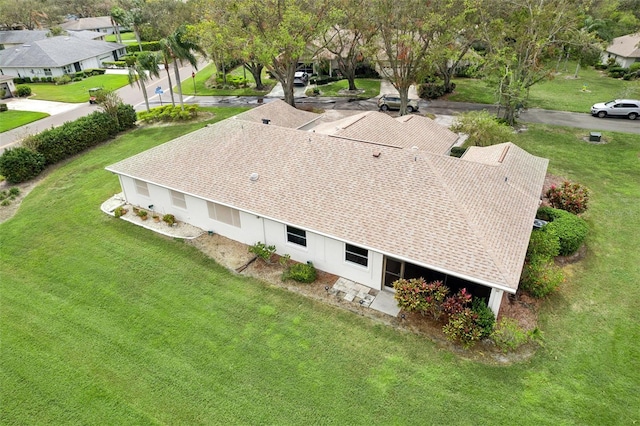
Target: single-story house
x=369, y=197
x=55, y=56
x=625, y=50
x=101, y=24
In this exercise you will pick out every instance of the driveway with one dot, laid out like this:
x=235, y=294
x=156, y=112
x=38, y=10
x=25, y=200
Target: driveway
x=48, y=107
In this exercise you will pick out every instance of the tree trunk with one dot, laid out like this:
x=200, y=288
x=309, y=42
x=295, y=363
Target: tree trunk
x=137, y=33
x=144, y=93
x=287, y=86
x=176, y=70
x=166, y=68
x=256, y=71
x=404, y=99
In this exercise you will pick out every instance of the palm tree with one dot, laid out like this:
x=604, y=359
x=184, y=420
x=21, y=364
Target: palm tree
x=180, y=48
x=141, y=70
x=166, y=58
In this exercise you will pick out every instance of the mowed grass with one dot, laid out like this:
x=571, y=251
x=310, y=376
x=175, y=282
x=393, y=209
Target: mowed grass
x=203, y=75
x=370, y=86
x=127, y=38
x=11, y=119
x=77, y=91
x=563, y=92
x=103, y=322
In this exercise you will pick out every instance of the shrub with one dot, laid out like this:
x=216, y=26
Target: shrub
x=115, y=64
x=27, y=79
x=143, y=214
x=431, y=90
x=617, y=72
x=169, y=219
x=14, y=191
x=600, y=66
x=73, y=137
x=634, y=67
x=570, y=229
x=486, y=320
x=168, y=113
x=572, y=197
x=457, y=151
x=20, y=164
x=3, y=107
x=543, y=243
x=120, y=211
x=147, y=46
x=416, y=295
x=508, y=335
x=35, y=79
x=540, y=276
x=23, y=91
x=457, y=303
x=62, y=80
x=262, y=251
x=463, y=327
x=301, y=272
x=127, y=117
x=483, y=128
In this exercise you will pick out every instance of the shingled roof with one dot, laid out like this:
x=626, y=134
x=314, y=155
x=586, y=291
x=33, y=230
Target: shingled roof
x=91, y=23
x=627, y=46
x=55, y=52
x=467, y=218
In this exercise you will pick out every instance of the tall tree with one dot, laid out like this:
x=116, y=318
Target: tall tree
x=179, y=48
x=524, y=36
x=141, y=71
x=280, y=33
x=405, y=30
x=345, y=40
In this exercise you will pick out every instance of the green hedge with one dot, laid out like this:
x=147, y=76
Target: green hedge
x=570, y=229
x=20, y=164
x=147, y=46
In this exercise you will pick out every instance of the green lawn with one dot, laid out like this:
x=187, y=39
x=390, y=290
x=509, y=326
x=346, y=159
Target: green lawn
x=204, y=74
x=127, y=38
x=77, y=91
x=371, y=88
x=103, y=322
x=562, y=93
x=12, y=119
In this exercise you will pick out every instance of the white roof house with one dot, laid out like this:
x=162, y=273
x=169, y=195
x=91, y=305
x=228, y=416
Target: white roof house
x=362, y=185
x=55, y=56
x=625, y=50
x=101, y=24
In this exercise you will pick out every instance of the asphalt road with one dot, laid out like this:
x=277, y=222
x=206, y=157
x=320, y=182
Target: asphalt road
x=133, y=96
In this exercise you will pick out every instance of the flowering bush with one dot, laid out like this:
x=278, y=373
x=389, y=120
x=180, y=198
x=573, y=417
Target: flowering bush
x=463, y=327
x=416, y=295
x=457, y=303
x=572, y=197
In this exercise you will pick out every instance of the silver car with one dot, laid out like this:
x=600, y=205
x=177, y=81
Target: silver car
x=629, y=108
x=386, y=102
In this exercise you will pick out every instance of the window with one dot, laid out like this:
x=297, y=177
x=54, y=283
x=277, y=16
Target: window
x=356, y=254
x=224, y=214
x=296, y=236
x=142, y=188
x=177, y=199
x=47, y=71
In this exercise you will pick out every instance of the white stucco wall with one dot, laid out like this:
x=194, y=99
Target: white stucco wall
x=327, y=254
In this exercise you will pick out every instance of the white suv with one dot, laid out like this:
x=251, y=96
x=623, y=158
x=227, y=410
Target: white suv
x=620, y=107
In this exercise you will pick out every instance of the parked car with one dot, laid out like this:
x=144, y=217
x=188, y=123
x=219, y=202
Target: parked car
x=629, y=108
x=300, y=78
x=386, y=102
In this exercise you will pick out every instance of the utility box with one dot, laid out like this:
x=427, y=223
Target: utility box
x=595, y=136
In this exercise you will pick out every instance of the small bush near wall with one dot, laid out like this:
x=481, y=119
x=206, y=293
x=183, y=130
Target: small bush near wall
x=508, y=335
x=540, y=276
x=4, y=107
x=457, y=151
x=63, y=79
x=23, y=91
x=463, y=327
x=486, y=319
x=543, y=243
x=570, y=229
x=20, y=164
x=301, y=272
x=169, y=113
x=416, y=295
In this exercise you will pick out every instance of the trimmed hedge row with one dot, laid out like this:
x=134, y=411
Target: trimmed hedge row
x=50, y=146
x=147, y=46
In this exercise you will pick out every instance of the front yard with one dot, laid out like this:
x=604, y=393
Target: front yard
x=77, y=91
x=12, y=119
x=105, y=322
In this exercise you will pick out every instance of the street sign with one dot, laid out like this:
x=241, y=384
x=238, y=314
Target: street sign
x=159, y=90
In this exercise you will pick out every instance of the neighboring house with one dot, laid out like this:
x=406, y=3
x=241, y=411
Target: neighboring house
x=101, y=24
x=625, y=50
x=15, y=38
x=55, y=56
x=6, y=83
x=369, y=198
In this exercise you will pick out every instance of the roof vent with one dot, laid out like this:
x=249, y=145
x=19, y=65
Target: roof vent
x=376, y=154
x=254, y=177
x=265, y=121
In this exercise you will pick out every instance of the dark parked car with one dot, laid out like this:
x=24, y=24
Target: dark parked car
x=629, y=108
